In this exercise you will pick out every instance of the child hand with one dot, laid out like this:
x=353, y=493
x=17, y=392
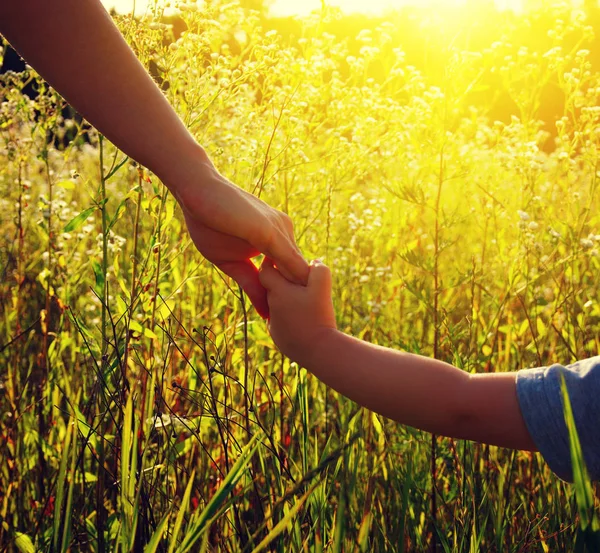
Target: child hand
x=299, y=315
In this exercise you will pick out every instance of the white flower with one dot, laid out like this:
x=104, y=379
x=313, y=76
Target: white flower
x=553, y=233
x=523, y=215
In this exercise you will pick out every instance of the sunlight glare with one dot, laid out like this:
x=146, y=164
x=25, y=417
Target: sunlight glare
x=293, y=7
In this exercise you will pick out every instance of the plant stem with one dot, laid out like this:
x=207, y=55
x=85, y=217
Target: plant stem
x=436, y=339
x=134, y=264
x=100, y=486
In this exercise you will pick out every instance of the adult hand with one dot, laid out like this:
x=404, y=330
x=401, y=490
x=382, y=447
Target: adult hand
x=114, y=92
x=230, y=226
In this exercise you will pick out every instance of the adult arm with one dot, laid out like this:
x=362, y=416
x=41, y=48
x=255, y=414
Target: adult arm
x=77, y=48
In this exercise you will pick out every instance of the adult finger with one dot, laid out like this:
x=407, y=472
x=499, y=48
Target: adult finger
x=283, y=250
x=270, y=277
x=246, y=275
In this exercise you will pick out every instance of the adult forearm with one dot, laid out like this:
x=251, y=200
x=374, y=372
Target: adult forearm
x=78, y=49
x=421, y=392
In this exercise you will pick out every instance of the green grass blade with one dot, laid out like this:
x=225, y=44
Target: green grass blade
x=364, y=531
x=66, y=537
x=182, y=509
x=584, y=492
x=406, y=487
x=588, y=536
x=303, y=403
x=154, y=541
x=126, y=453
x=284, y=522
x=60, y=488
x=340, y=520
x=236, y=472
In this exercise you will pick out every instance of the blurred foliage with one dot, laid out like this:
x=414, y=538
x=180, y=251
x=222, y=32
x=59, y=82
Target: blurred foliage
x=445, y=165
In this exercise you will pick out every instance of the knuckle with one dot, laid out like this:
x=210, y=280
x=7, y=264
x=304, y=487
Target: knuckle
x=287, y=221
x=267, y=240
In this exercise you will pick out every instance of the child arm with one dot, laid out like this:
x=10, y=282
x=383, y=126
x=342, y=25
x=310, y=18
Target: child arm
x=414, y=390
x=422, y=392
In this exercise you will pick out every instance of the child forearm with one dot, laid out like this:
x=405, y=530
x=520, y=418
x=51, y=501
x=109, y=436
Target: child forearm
x=420, y=392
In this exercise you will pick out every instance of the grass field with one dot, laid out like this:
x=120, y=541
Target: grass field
x=144, y=406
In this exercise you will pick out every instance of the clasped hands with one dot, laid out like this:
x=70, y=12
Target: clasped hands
x=229, y=226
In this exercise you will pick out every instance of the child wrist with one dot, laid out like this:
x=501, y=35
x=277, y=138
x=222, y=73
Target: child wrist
x=313, y=350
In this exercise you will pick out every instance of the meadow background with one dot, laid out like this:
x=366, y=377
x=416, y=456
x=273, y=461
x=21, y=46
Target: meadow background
x=443, y=163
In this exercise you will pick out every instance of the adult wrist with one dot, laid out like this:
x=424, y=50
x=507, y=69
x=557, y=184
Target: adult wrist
x=190, y=166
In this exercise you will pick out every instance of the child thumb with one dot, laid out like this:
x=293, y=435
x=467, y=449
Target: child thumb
x=319, y=276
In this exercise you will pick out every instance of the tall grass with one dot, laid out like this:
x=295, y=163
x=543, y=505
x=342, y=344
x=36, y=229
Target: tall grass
x=144, y=405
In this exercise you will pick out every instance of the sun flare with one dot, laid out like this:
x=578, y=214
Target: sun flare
x=293, y=7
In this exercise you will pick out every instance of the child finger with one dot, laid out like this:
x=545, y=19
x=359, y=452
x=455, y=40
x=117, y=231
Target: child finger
x=320, y=275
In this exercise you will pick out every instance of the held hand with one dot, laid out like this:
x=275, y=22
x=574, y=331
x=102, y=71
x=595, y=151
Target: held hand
x=299, y=315
x=114, y=92
x=232, y=256
x=230, y=226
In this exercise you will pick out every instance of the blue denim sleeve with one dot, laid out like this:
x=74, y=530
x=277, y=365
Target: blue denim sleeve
x=540, y=399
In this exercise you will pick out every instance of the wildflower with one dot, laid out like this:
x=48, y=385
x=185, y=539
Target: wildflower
x=553, y=233
x=556, y=51
x=523, y=215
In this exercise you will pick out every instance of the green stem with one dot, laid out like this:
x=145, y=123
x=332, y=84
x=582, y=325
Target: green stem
x=133, y=276
x=100, y=509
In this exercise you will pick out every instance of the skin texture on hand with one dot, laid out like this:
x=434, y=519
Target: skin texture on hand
x=229, y=226
x=414, y=390
x=299, y=315
x=77, y=48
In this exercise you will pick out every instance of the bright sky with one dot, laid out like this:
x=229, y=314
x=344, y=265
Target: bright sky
x=296, y=7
